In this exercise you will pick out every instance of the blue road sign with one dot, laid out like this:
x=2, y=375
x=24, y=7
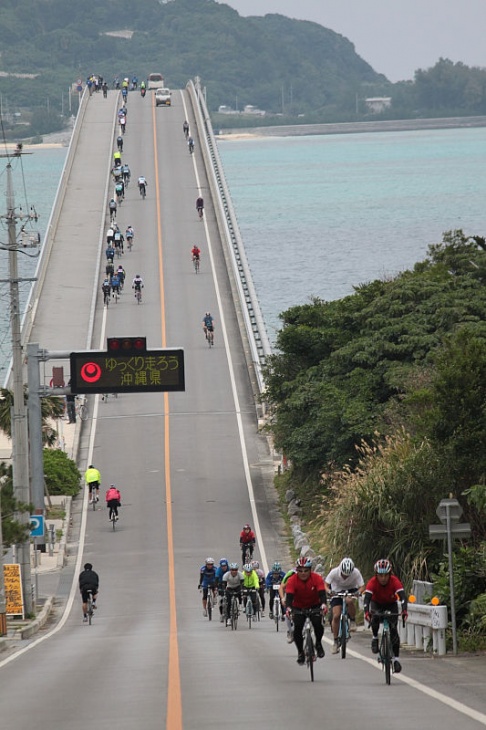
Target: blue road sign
x=36, y=526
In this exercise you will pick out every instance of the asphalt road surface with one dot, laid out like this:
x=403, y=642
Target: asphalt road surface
x=192, y=469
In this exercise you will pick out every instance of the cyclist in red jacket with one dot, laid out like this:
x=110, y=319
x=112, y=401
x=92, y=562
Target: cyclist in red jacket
x=381, y=595
x=113, y=500
x=306, y=590
x=247, y=543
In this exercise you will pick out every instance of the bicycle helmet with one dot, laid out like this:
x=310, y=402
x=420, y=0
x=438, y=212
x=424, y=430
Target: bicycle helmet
x=233, y=566
x=383, y=567
x=276, y=568
x=223, y=561
x=246, y=527
x=208, y=314
x=303, y=562
x=247, y=568
x=209, y=561
x=88, y=566
x=256, y=564
x=346, y=566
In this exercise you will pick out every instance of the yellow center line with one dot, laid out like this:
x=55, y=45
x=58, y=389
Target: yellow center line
x=174, y=702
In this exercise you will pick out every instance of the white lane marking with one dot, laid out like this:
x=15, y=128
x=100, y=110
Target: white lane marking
x=239, y=420
x=454, y=704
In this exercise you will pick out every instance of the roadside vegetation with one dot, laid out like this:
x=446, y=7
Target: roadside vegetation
x=379, y=403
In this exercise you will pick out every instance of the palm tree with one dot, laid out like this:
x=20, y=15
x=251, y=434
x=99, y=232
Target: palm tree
x=52, y=407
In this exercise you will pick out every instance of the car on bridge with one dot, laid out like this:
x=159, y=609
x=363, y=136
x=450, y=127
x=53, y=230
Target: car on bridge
x=162, y=97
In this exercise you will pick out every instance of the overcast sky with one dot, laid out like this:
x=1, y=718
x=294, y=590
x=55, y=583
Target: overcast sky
x=396, y=37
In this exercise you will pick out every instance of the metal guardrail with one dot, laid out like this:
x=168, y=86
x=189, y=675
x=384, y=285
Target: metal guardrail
x=425, y=623
x=230, y=234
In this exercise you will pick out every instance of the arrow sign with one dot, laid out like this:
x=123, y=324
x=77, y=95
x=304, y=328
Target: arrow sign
x=36, y=526
x=439, y=532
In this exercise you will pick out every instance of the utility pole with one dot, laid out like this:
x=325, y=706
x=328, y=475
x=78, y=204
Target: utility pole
x=20, y=455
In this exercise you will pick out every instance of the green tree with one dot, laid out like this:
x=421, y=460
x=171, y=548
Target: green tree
x=61, y=473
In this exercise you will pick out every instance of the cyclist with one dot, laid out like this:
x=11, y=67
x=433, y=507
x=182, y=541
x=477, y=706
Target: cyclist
x=137, y=284
x=232, y=582
x=88, y=581
x=119, y=143
x=288, y=620
x=200, y=206
x=126, y=174
x=104, y=88
x=207, y=581
x=124, y=93
x=129, y=235
x=381, y=595
x=117, y=158
x=142, y=85
x=208, y=326
x=110, y=253
x=142, y=185
x=121, y=275
x=117, y=174
x=110, y=270
x=190, y=145
x=120, y=191
x=113, y=501
x=306, y=590
x=118, y=237
x=274, y=577
x=247, y=539
x=185, y=128
x=106, y=289
x=115, y=283
x=112, y=207
x=134, y=82
x=261, y=578
x=221, y=570
x=346, y=577
x=93, y=479
x=195, y=253
x=251, y=582
x=123, y=123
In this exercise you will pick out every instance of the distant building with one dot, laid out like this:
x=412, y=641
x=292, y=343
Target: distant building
x=377, y=104
x=223, y=109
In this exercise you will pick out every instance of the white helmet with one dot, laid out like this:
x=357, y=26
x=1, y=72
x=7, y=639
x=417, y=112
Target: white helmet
x=346, y=566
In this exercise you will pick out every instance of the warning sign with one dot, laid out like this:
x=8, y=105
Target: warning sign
x=13, y=589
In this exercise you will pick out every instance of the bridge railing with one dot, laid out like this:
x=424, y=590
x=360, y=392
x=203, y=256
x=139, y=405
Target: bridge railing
x=230, y=234
x=42, y=266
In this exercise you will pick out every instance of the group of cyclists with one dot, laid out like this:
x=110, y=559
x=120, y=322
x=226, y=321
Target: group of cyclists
x=115, y=277
x=302, y=592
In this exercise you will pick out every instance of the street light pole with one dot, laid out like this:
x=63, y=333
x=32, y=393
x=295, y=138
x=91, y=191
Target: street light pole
x=20, y=455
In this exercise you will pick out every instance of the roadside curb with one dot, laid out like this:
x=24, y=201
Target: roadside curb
x=39, y=621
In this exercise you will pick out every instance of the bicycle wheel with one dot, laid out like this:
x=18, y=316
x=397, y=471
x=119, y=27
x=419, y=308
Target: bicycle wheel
x=249, y=611
x=386, y=656
x=83, y=412
x=309, y=653
x=210, y=605
x=235, y=610
x=90, y=608
x=113, y=520
x=343, y=625
x=94, y=501
x=276, y=613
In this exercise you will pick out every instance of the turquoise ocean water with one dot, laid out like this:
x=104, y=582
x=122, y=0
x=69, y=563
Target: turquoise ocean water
x=35, y=178
x=319, y=214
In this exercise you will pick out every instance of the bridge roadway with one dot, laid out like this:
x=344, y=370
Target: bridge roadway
x=190, y=467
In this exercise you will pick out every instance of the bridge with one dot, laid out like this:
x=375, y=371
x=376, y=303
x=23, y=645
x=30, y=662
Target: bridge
x=192, y=468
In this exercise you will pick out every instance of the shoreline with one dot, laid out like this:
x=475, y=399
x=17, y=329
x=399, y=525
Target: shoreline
x=398, y=125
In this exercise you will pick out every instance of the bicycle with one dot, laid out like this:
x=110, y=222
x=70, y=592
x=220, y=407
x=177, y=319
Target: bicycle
x=113, y=519
x=129, y=242
x=250, y=612
x=200, y=212
x=210, y=340
x=106, y=301
x=81, y=409
x=385, y=651
x=90, y=606
x=197, y=264
x=277, y=606
x=210, y=603
x=344, y=633
x=234, y=612
x=138, y=295
x=116, y=295
x=309, y=645
x=142, y=190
